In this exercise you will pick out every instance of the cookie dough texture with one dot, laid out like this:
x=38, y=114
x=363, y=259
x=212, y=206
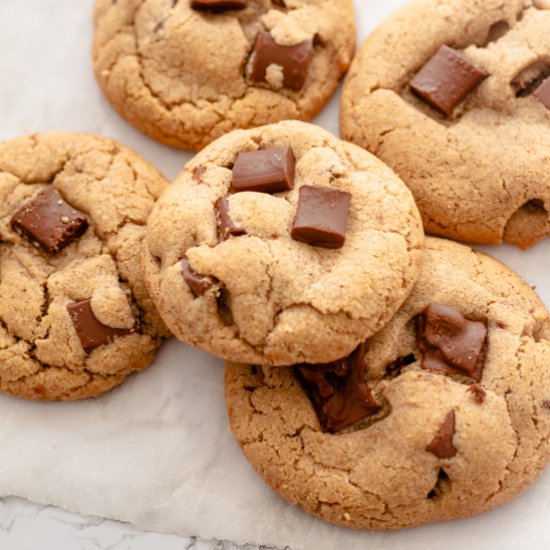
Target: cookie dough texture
x=179, y=75
x=482, y=175
x=275, y=300
x=41, y=356
x=379, y=475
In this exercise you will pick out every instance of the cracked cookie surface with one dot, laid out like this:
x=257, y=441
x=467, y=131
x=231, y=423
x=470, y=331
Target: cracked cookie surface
x=260, y=296
x=480, y=174
x=442, y=446
x=182, y=76
x=47, y=352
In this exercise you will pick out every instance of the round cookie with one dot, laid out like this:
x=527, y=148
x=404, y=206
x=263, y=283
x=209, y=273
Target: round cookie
x=75, y=316
x=244, y=254
x=412, y=433
x=452, y=95
x=186, y=72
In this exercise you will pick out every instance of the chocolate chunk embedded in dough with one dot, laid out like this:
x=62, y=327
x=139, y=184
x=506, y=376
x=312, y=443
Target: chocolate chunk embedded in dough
x=265, y=171
x=542, y=93
x=338, y=391
x=91, y=333
x=321, y=216
x=442, y=444
x=226, y=225
x=446, y=80
x=198, y=284
x=49, y=221
x=450, y=343
x=478, y=393
x=294, y=60
x=218, y=5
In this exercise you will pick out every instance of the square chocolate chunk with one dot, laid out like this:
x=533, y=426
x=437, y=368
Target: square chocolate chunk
x=321, y=216
x=91, y=333
x=198, y=284
x=294, y=60
x=49, y=221
x=446, y=80
x=265, y=171
x=218, y=5
x=542, y=93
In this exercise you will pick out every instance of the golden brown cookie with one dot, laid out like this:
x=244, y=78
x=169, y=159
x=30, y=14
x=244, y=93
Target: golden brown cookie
x=75, y=316
x=443, y=414
x=186, y=72
x=282, y=244
x=455, y=97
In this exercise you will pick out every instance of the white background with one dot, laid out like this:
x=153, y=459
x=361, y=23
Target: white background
x=46, y=84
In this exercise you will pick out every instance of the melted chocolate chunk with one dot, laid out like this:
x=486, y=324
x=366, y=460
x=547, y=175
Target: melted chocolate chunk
x=542, y=93
x=265, y=171
x=338, y=391
x=442, y=443
x=49, y=221
x=446, y=80
x=226, y=225
x=394, y=369
x=321, y=216
x=478, y=393
x=198, y=284
x=450, y=343
x=294, y=60
x=218, y=5
x=89, y=330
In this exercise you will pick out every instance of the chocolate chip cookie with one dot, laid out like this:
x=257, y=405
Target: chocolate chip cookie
x=282, y=244
x=444, y=413
x=75, y=317
x=455, y=97
x=186, y=72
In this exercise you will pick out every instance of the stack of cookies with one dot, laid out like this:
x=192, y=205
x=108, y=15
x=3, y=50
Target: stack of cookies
x=376, y=378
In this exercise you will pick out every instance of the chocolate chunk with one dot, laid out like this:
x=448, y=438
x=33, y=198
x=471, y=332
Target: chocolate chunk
x=321, y=216
x=442, y=443
x=394, y=369
x=542, y=93
x=218, y=5
x=226, y=225
x=198, y=284
x=450, y=343
x=446, y=80
x=49, y=221
x=265, y=171
x=478, y=393
x=294, y=60
x=546, y=404
x=90, y=331
x=338, y=391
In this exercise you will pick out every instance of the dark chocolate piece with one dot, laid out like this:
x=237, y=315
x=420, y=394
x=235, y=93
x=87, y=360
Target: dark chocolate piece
x=218, y=5
x=265, y=171
x=49, y=221
x=198, y=284
x=226, y=225
x=478, y=393
x=394, y=369
x=321, y=216
x=198, y=173
x=542, y=93
x=338, y=391
x=450, y=343
x=446, y=80
x=442, y=443
x=294, y=60
x=90, y=331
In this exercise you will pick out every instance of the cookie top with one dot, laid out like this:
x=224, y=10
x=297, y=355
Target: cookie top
x=186, y=72
x=415, y=434
x=282, y=244
x=453, y=96
x=75, y=317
